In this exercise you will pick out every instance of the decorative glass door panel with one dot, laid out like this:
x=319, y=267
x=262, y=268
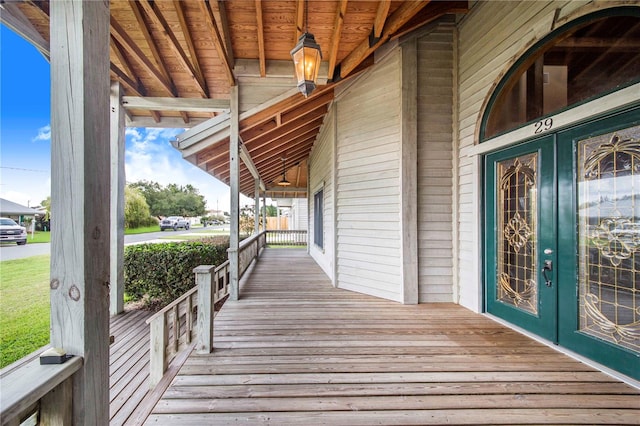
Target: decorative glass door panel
x=519, y=236
x=517, y=215
x=608, y=200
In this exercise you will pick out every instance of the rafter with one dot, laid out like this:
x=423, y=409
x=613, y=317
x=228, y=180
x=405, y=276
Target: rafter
x=338, y=24
x=260, y=29
x=134, y=51
x=401, y=16
x=184, y=26
x=381, y=18
x=217, y=41
x=219, y=12
x=155, y=15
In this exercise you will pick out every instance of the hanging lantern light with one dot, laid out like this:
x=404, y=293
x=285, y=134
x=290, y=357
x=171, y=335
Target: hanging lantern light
x=306, y=57
x=284, y=181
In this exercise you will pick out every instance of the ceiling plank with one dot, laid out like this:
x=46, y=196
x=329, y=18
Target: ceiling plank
x=338, y=24
x=134, y=51
x=184, y=26
x=402, y=15
x=261, y=55
x=156, y=16
x=255, y=137
x=116, y=49
x=217, y=41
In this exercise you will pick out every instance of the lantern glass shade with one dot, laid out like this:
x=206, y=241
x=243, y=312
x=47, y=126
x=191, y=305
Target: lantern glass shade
x=306, y=57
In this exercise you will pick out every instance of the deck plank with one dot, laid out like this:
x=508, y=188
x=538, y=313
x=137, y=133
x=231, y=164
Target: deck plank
x=295, y=350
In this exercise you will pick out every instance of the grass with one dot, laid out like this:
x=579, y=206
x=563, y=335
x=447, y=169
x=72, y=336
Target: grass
x=200, y=234
x=24, y=307
x=143, y=230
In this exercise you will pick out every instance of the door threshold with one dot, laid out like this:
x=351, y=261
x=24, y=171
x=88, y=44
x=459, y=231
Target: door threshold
x=606, y=370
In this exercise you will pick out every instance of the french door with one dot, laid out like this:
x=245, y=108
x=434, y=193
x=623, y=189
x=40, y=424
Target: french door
x=562, y=238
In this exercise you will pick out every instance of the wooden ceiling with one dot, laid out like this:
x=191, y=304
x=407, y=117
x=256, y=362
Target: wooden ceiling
x=177, y=60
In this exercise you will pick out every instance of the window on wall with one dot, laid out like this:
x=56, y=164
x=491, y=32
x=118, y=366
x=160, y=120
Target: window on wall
x=318, y=209
x=582, y=60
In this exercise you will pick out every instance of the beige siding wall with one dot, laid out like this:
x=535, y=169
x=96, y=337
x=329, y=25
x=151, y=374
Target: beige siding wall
x=321, y=176
x=491, y=37
x=368, y=183
x=435, y=164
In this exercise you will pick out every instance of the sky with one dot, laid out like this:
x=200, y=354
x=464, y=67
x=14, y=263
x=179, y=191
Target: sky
x=25, y=136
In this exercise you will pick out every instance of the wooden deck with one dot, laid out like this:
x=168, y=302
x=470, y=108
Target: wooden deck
x=295, y=350
x=129, y=368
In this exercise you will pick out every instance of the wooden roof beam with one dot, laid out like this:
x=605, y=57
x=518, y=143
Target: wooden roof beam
x=176, y=104
x=217, y=41
x=219, y=11
x=338, y=24
x=15, y=19
x=381, y=18
x=134, y=51
x=257, y=138
x=184, y=26
x=261, y=54
x=401, y=16
x=152, y=12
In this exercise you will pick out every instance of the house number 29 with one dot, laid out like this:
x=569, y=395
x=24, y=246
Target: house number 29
x=543, y=125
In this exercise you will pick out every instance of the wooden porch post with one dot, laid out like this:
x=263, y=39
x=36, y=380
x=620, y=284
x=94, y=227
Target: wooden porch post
x=117, y=200
x=234, y=184
x=80, y=176
x=264, y=211
x=256, y=214
x=409, y=171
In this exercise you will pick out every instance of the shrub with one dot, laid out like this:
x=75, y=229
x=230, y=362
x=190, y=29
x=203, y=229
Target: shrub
x=160, y=273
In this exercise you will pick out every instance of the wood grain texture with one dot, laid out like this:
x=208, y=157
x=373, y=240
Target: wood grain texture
x=295, y=350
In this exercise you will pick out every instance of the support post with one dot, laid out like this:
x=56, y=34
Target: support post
x=117, y=200
x=234, y=184
x=205, y=307
x=159, y=337
x=264, y=211
x=80, y=184
x=256, y=213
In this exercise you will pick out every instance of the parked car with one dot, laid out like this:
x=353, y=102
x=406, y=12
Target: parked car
x=10, y=231
x=174, y=222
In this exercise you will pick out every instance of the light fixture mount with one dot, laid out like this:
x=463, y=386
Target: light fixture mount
x=307, y=57
x=284, y=181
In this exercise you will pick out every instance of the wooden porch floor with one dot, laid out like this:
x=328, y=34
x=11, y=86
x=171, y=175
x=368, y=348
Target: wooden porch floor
x=295, y=350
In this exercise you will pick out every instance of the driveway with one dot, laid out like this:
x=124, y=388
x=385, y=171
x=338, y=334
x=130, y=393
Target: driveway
x=11, y=251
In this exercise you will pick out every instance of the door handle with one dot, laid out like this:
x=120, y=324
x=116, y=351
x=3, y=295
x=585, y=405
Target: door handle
x=548, y=267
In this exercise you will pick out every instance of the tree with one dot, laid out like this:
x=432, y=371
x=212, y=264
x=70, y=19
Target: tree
x=172, y=199
x=272, y=211
x=136, y=209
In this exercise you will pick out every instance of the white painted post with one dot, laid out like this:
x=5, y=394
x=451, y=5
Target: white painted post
x=234, y=184
x=264, y=211
x=205, y=307
x=117, y=200
x=80, y=185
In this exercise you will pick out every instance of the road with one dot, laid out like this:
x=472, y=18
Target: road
x=11, y=251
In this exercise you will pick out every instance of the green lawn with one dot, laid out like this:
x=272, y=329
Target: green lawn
x=24, y=307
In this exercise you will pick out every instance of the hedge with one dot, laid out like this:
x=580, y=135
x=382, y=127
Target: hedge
x=159, y=273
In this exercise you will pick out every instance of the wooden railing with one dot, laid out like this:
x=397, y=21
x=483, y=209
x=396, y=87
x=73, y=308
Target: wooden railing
x=190, y=317
x=32, y=391
x=172, y=330
x=287, y=238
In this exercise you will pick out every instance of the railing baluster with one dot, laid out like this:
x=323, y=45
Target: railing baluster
x=176, y=329
x=188, y=318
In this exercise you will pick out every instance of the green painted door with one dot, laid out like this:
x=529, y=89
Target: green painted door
x=599, y=240
x=562, y=238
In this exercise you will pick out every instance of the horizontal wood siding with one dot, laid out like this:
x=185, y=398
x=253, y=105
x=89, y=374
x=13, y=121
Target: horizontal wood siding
x=491, y=37
x=368, y=183
x=435, y=164
x=321, y=173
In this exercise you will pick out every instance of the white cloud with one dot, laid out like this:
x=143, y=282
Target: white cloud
x=44, y=134
x=150, y=156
